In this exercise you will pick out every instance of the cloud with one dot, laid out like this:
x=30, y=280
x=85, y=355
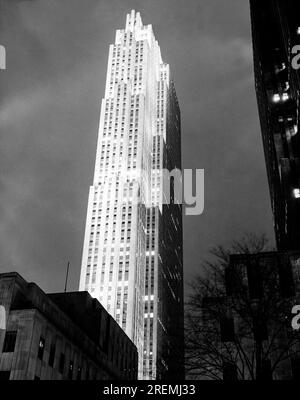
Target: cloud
x=20, y=107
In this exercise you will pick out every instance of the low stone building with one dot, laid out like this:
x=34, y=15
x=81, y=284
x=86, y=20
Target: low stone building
x=63, y=336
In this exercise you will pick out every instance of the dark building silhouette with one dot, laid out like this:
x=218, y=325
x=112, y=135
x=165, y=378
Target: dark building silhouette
x=62, y=336
x=276, y=30
x=247, y=322
x=250, y=325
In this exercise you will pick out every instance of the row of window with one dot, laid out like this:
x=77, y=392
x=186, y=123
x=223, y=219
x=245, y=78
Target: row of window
x=9, y=347
x=61, y=361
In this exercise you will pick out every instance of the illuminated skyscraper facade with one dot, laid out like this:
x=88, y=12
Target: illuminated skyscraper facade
x=132, y=253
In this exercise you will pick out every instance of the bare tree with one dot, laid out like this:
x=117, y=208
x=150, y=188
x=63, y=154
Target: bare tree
x=237, y=330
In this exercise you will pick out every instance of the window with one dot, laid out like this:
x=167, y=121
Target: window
x=254, y=280
x=70, y=374
x=286, y=279
x=61, y=363
x=41, y=348
x=230, y=281
x=227, y=329
x=79, y=373
x=52, y=355
x=9, y=342
x=4, y=375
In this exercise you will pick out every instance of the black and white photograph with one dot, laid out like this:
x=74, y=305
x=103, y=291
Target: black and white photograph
x=149, y=196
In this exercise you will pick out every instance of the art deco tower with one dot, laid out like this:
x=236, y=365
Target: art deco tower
x=132, y=253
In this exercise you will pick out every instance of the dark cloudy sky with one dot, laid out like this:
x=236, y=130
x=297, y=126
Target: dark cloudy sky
x=49, y=109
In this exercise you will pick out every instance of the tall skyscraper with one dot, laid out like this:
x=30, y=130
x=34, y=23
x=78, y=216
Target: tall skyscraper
x=132, y=253
x=276, y=32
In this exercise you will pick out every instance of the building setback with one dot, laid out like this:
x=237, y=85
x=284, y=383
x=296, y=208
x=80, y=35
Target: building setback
x=59, y=336
x=132, y=253
x=275, y=31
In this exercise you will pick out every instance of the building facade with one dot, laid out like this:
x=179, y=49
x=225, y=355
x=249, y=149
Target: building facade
x=63, y=336
x=126, y=263
x=275, y=31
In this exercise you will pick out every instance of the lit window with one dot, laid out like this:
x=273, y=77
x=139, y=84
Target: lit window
x=285, y=96
x=70, y=373
x=41, y=348
x=61, y=363
x=276, y=98
x=296, y=193
x=295, y=129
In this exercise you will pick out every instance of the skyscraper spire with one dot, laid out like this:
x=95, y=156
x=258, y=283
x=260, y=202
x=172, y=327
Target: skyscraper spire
x=133, y=21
